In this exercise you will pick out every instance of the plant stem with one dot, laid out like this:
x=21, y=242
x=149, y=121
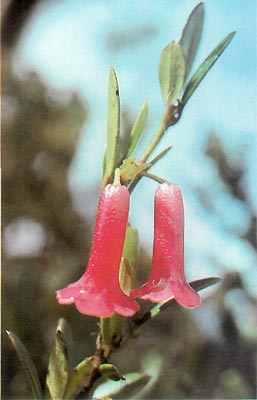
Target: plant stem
x=135, y=181
x=94, y=373
x=153, y=177
x=155, y=140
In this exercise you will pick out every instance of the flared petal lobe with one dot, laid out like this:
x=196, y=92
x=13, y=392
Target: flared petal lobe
x=167, y=277
x=98, y=291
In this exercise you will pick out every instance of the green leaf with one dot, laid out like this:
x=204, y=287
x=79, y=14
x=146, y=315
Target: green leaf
x=113, y=127
x=204, y=283
x=138, y=128
x=110, y=371
x=130, y=168
x=27, y=364
x=134, y=382
x=58, y=364
x=77, y=378
x=191, y=35
x=172, y=70
x=204, y=68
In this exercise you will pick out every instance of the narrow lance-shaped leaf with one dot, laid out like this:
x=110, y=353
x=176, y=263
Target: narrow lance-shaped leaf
x=77, y=377
x=204, y=68
x=113, y=127
x=191, y=35
x=58, y=365
x=172, y=69
x=27, y=364
x=138, y=128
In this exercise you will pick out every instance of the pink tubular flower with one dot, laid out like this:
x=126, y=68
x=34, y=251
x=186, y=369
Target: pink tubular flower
x=98, y=291
x=167, y=277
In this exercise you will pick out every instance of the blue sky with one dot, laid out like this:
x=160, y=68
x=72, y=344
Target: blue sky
x=65, y=42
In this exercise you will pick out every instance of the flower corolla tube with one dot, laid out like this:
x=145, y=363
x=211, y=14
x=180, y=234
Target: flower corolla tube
x=167, y=277
x=98, y=291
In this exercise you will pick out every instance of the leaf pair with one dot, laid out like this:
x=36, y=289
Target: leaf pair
x=176, y=62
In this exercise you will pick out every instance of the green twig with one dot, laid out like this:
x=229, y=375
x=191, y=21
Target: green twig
x=152, y=145
x=153, y=177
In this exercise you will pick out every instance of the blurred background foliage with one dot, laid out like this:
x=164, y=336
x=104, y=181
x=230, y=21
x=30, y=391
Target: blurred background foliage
x=206, y=353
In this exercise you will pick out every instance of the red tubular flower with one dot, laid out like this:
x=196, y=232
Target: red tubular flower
x=98, y=291
x=167, y=277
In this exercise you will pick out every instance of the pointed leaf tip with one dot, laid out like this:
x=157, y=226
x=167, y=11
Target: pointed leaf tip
x=58, y=364
x=205, y=67
x=191, y=35
x=27, y=364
